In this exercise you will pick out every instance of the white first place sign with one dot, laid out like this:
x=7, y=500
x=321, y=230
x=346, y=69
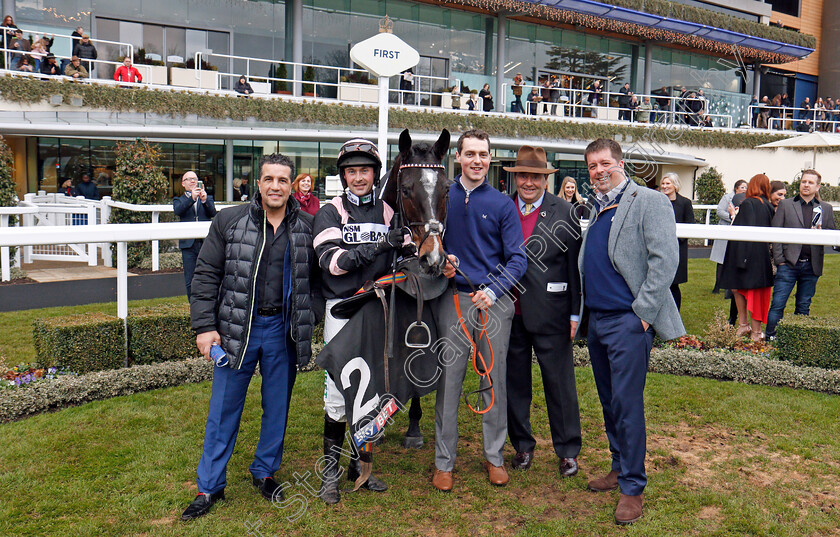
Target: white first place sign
x=384, y=55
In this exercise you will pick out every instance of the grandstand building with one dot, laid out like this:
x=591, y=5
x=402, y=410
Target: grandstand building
x=298, y=51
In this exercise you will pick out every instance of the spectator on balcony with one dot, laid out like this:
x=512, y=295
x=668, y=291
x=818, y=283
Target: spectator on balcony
x=486, y=98
x=556, y=93
x=643, y=111
x=127, y=72
x=456, y=97
x=407, y=86
x=819, y=114
x=624, y=102
x=49, y=66
x=632, y=106
x=707, y=121
x=534, y=99
x=75, y=69
x=243, y=87
x=21, y=46
x=806, y=126
x=516, y=106
x=87, y=188
x=682, y=105
x=805, y=108
x=545, y=93
x=38, y=53
x=25, y=66
x=76, y=36
x=662, y=101
x=595, y=92
x=302, y=186
x=66, y=188
x=85, y=50
x=473, y=103
x=10, y=27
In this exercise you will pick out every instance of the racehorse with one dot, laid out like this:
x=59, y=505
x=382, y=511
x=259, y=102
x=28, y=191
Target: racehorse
x=418, y=190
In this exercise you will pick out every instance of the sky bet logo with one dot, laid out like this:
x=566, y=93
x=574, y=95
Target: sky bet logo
x=362, y=233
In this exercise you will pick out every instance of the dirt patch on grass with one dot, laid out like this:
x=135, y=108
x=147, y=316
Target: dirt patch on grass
x=706, y=455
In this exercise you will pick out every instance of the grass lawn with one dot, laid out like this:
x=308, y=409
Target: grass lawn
x=723, y=459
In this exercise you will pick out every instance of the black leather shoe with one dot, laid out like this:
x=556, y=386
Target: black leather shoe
x=201, y=505
x=522, y=460
x=269, y=488
x=568, y=467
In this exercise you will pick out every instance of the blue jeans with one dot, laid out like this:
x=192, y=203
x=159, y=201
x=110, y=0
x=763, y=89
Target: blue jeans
x=802, y=275
x=266, y=345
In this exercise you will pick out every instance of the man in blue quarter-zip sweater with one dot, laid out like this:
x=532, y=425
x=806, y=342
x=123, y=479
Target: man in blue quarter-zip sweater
x=483, y=238
x=627, y=261
x=255, y=293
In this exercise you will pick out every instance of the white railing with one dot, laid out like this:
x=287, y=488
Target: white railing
x=57, y=210
x=11, y=54
x=575, y=102
x=122, y=234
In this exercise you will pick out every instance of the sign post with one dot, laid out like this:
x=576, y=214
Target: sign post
x=384, y=55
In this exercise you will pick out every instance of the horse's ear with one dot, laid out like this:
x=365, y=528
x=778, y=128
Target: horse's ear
x=441, y=147
x=405, y=141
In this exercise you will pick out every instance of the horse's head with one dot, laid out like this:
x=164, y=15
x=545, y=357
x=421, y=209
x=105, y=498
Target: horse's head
x=419, y=190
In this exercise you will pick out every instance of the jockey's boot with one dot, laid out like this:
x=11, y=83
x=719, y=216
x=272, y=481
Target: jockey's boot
x=373, y=483
x=333, y=439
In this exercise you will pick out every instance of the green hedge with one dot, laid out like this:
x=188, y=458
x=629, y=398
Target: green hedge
x=160, y=334
x=737, y=367
x=82, y=343
x=178, y=104
x=809, y=341
x=68, y=391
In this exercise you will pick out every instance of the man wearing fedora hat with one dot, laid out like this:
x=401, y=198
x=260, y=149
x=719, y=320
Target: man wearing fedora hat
x=49, y=66
x=546, y=315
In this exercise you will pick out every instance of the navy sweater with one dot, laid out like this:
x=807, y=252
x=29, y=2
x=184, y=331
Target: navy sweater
x=485, y=234
x=604, y=289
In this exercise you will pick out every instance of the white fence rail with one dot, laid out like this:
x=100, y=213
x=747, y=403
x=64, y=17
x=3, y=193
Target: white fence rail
x=122, y=234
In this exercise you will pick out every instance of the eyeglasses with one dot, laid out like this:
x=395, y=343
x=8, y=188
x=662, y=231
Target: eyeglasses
x=366, y=147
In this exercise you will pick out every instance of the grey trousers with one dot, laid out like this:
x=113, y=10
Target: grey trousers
x=454, y=360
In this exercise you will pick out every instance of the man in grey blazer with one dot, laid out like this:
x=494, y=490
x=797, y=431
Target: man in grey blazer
x=627, y=261
x=798, y=264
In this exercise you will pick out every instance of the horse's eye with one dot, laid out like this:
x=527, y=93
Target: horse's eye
x=406, y=191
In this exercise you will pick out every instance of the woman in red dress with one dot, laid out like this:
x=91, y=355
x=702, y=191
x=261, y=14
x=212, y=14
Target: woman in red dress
x=747, y=268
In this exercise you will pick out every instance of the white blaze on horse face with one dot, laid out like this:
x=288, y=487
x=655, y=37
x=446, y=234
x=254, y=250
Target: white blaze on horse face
x=429, y=180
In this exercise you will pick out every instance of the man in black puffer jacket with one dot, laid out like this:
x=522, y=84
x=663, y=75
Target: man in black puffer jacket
x=256, y=293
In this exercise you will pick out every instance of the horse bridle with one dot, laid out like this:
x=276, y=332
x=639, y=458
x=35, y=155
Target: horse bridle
x=430, y=228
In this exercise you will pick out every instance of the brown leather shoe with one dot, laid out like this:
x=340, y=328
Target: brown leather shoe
x=629, y=509
x=442, y=480
x=498, y=475
x=604, y=484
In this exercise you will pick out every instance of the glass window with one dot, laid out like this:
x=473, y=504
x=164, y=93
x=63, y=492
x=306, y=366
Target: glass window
x=103, y=165
x=176, y=43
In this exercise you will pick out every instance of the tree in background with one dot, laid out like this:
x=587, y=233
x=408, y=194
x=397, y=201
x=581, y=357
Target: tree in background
x=708, y=188
x=138, y=180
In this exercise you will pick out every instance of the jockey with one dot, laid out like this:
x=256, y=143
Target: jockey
x=354, y=243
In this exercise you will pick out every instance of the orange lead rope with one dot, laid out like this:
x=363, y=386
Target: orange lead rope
x=484, y=371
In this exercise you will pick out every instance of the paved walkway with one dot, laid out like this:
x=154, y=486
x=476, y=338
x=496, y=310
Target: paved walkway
x=58, y=271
